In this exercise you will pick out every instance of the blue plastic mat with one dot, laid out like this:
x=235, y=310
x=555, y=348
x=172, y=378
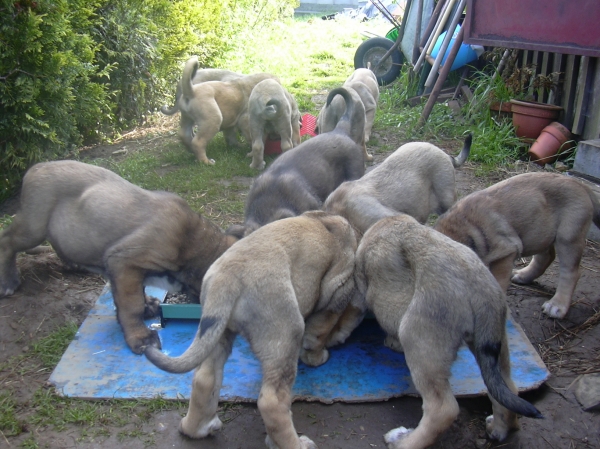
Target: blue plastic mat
x=98, y=364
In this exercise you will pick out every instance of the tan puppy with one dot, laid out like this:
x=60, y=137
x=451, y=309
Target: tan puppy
x=533, y=214
x=429, y=294
x=364, y=82
x=416, y=179
x=201, y=76
x=215, y=106
x=272, y=110
x=289, y=271
x=95, y=219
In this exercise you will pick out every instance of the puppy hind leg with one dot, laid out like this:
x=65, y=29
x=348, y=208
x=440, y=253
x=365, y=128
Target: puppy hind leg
x=201, y=419
x=350, y=319
x=205, y=133
x=430, y=374
x=279, y=362
x=569, y=258
x=22, y=234
x=317, y=330
x=186, y=130
x=258, y=146
x=538, y=265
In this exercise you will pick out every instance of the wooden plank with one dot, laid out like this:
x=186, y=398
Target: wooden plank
x=554, y=96
x=571, y=70
x=542, y=93
x=580, y=97
x=591, y=129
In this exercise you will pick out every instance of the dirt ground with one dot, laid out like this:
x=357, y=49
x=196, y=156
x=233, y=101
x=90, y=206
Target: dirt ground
x=52, y=293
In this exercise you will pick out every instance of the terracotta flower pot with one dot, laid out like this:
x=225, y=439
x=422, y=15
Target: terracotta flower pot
x=529, y=118
x=501, y=109
x=549, y=144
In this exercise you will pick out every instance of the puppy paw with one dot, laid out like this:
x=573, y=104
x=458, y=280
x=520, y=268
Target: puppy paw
x=369, y=157
x=395, y=435
x=393, y=343
x=307, y=443
x=151, y=307
x=10, y=283
x=204, y=430
x=7, y=290
x=554, y=311
x=314, y=358
x=521, y=277
x=337, y=338
x=494, y=431
x=138, y=344
x=258, y=166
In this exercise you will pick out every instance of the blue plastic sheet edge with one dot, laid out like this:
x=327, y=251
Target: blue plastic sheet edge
x=99, y=365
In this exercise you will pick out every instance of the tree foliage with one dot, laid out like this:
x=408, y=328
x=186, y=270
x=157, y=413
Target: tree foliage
x=78, y=71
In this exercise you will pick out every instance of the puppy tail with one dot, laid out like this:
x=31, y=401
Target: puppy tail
x=169, y=111
x=272, y=107
x=345, y=123
x=189, y=71
x=217, y=308
x=488, y=355
x=175, y=108
x=464, y=153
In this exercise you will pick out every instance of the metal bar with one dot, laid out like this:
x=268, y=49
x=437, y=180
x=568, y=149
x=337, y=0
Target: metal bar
x=415, y=53
x=442, y=78
x=445, y=43
x=430, y=37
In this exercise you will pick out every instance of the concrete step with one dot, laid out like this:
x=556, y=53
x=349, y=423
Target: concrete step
x=592, y=183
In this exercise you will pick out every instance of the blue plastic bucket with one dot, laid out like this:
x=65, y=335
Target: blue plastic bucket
x=465, y=55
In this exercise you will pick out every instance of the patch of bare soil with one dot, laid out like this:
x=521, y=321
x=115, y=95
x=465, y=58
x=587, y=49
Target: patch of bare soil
x=52, y=293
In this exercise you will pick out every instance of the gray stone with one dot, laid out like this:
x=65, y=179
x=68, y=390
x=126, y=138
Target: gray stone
x=587, y=391
x=587, y=158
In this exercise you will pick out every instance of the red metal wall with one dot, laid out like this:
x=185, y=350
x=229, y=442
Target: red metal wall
x=559, y=26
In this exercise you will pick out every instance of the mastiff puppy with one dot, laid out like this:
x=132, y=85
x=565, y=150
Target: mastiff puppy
x=272, y=110
x=431, y=294
x=364, y=83
x=532, y=214
x=201, y=76
x=301, y=178
x=214, y=106
x=417, y=179
x=291, y=279
x=95, y=219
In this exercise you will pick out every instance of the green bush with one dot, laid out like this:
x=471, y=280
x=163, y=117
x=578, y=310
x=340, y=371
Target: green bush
x=49, y=85
x=78, y=71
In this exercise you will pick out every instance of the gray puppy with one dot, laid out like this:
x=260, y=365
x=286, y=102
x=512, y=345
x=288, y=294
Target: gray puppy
x=532, y=214
x=364, y=83
x=301, y=178
x=272, y=110
x=416, y=179
x=282, y=288
x=95, y=219
x=429, y=294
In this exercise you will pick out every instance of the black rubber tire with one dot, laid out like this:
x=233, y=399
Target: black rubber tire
x=372, y=50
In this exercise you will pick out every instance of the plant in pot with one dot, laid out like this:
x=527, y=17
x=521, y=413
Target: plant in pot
x=529, y=116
